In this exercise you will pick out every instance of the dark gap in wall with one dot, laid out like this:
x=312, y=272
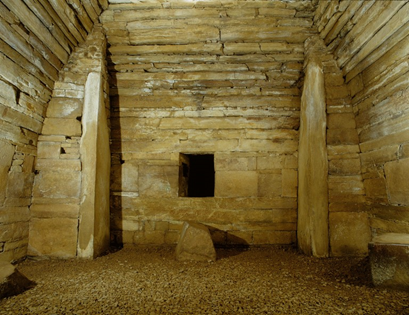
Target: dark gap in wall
x=197, y=171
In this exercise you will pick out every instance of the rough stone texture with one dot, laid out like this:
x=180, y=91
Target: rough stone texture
x=228, y=88
x=195, y=243
x=71, y=187
x=12, y=282
x=312, y=227
x=54, y=237
x=369, y=42
x=36, y=40
x=397, y=183
x=388, y=255
x=349, y=233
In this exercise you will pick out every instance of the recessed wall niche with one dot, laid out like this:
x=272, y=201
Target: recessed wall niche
x=196, y=175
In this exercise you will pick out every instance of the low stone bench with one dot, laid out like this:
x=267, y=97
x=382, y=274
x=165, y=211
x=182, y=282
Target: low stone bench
x=389, y=260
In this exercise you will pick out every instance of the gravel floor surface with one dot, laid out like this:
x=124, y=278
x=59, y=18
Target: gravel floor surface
x=252, y=281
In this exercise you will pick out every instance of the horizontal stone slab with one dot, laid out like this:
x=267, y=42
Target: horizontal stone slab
x=135, y=205
x=155, y=101
x=264, y=33
x=197, y=48
x=175, y=36
x=55, y=211
x=191, y=76
x=62, y=107
x=61, y=126
x=230, y=123
x=251, y=101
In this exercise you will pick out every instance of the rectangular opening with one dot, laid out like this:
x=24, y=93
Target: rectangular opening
x=196, y=175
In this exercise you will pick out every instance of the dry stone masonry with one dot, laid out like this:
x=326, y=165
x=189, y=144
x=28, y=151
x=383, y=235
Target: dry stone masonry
x=134, y=90
x=207, y=78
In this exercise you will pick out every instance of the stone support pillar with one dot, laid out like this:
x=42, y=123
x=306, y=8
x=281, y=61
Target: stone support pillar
x=312, y=229
x=93, y=236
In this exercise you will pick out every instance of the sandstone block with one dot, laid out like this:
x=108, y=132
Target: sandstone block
x=344, y=167
x=397, y=183
x=53, y=237
x=19, y=184
x=341, y=121
x=158, y=181
x=176, y=36
x=54, y=211
x=12, y=282
x=349, y=233
x=48, y=150
x=269, y=184
x=125, y=177
x=6, y=158
x=236, y=184
x=342, y=136
x=375, y=187
x=232, y=163
x=62, y=107
x=61, y=126
x=289, y=183
x=388, y=254
x=269, y=162
x=195, y=243
x=57, y=184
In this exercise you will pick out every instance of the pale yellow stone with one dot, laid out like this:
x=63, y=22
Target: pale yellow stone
x=349, y=234
x=269, y=184
x=61, y=126
x=312, y=230
x=124, y=177
x=236, y=184
x=19, y=184
x=48, y=150
x=93, y=231
x=344, y=166
x=6, y=158
x=234, y=163
x=55, y=211
x=376, y=188
x=397, y=183
x=158, y=181
x=60, y=107
x=57, y=184
x=55, y=237
x=289, y=183
x=176, y=36
x=341, y=121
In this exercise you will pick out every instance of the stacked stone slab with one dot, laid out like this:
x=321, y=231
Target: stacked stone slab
x=369, y=40
x=36, y=39
x=211, y=77
x=58, y=191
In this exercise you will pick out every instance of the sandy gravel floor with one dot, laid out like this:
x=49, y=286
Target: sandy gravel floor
x=252, y=281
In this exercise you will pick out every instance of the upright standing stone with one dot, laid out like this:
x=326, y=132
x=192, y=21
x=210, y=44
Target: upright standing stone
x=313, y=162
x=93, y=233
x=195, y=243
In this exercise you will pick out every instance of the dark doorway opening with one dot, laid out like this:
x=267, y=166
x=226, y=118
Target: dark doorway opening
x=196, y=175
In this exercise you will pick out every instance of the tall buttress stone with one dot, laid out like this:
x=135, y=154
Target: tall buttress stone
x=312, y=227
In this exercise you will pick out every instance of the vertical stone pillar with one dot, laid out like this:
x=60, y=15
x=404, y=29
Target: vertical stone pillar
x=93, y=236
x=312, y=227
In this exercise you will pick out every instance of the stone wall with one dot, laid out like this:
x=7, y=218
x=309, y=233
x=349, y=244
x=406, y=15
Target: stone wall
x=36, y=39
x=214, y=77
x=369, y=40
x=58, y=185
